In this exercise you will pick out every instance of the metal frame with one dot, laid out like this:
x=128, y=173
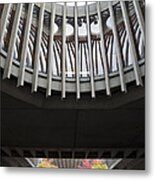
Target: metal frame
x=37, y=48
x=131, y=44
x=140, y=18
x=8, y=64
x=3, y=23
x=118, y=48
x=76, y=84
x=51, y=53
x=90, y=53
x=25, y=46
x=76, y=153
x=63, y=89
x=76, y=52
x=103, y=50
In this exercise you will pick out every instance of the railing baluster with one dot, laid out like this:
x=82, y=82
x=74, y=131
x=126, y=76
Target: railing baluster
x=64, y=53
x=117, y=47
x=85, y=57
x=56, y=60
x=70, y=52
x=25, y=46
x=140, y=18
x=96, y=56
x=76, y=52
x=51, y=53
x=12, y=43
x=132, y=44
x=3, y=24
x=38, y=48
x=81, y=59
x=103, y=51
x=90, y=53
x=110, y=46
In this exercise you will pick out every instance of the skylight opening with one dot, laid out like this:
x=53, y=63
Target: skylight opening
x=73, y=3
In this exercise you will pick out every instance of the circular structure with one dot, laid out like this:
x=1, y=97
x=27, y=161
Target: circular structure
x=80, y=48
